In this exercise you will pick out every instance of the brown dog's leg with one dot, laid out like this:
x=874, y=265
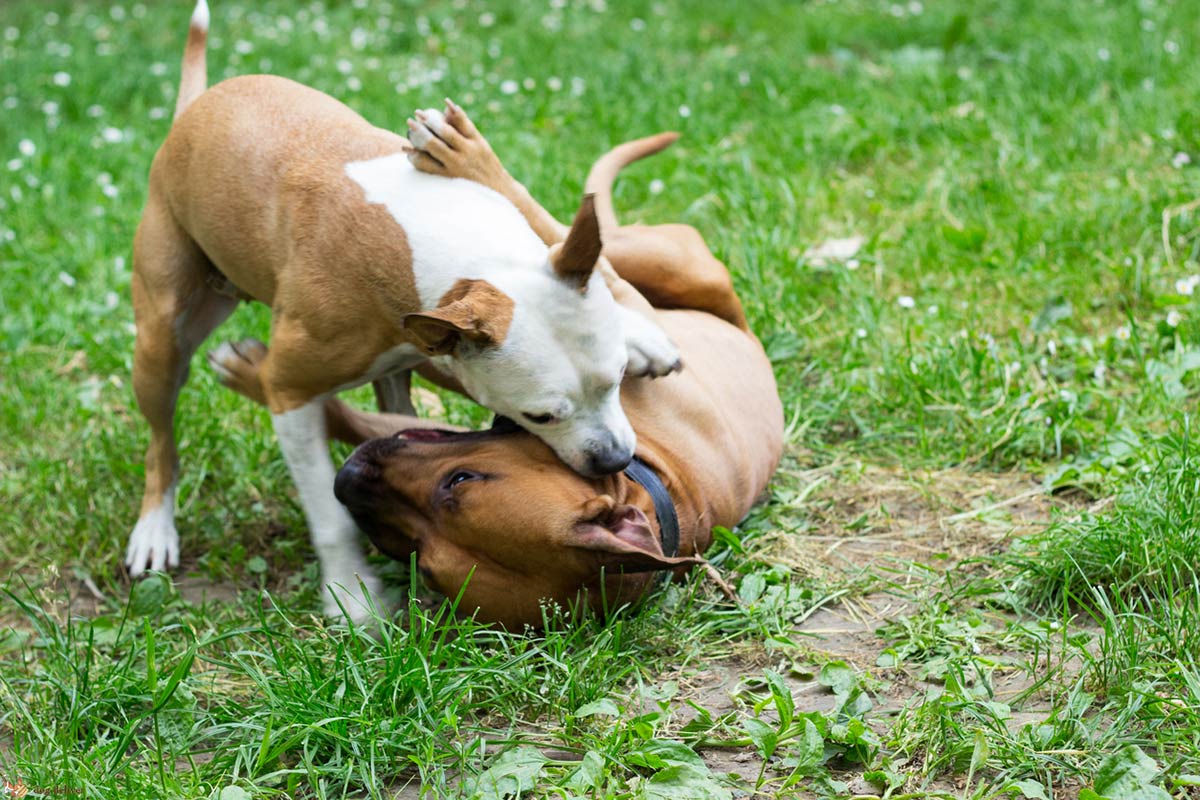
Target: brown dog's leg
x=175, y=310
x=673, y=268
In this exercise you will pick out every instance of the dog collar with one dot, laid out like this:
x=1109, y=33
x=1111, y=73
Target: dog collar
x=643, y=475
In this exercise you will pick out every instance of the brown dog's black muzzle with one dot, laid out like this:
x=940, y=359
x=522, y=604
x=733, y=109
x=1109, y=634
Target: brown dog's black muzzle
x=359, y=484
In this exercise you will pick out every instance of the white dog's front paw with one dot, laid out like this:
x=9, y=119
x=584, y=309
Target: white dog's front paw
x=651, y=352
x=154, y=543
x=352, y=596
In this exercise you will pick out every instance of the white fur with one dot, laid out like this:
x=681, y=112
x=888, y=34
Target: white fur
x=564, y=351
x=301, y=435
x=154, y=543
x=455, y=228
x=200, y=17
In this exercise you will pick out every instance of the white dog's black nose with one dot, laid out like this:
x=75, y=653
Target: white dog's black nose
x=608, y=460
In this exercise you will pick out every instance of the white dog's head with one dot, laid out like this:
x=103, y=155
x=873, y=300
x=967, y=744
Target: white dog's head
x=553, y=362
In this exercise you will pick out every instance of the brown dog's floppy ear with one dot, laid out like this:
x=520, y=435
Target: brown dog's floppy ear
x=622, y=537
x=575, y=258
x=473, y=310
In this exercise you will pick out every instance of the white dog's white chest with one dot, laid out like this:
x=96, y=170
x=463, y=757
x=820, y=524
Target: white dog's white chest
x=455, y=228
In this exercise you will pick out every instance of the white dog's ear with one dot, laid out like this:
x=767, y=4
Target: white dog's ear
x=622, y=538
x=473, y=310
x=574, y=259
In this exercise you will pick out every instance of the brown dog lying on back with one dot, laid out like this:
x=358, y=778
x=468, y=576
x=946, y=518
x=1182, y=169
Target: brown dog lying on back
x=496, y=509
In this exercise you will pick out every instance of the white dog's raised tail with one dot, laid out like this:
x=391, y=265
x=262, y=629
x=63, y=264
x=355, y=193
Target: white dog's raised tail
x=200, y=16
x=193, y=78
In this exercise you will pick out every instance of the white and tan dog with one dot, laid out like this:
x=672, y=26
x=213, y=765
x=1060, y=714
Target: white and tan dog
x=268, y=190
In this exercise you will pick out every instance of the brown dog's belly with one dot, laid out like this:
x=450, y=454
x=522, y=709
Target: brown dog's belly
x=717, y=425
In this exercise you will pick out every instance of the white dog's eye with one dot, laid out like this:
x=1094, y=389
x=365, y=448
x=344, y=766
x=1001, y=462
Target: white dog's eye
x=539, y=419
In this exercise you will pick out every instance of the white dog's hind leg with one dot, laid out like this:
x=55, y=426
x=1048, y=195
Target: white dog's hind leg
x=301, y=433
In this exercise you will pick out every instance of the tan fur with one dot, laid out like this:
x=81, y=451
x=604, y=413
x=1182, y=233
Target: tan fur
x=472, y=309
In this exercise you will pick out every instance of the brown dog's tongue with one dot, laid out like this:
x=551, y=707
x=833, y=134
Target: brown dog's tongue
x=424, y=434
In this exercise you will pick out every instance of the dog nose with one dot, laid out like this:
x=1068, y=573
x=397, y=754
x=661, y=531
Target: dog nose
x=608, y=460
x=357, y=482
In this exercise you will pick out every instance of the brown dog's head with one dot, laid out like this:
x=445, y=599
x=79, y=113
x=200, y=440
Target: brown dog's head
x=500, y=508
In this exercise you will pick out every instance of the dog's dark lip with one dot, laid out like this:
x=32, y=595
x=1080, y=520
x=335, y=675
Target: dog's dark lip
x=501, y=427
x=425, y=434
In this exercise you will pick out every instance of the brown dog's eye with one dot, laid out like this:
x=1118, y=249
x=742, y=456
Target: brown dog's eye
x=459, y=476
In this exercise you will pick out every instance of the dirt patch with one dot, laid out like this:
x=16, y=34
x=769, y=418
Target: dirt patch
x=856, y=517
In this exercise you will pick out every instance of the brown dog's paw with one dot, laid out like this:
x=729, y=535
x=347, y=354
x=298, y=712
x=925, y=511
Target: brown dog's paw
x=448, y=143
x=237, y=364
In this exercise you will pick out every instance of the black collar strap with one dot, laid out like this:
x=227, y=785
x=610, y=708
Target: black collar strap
x=640, y=473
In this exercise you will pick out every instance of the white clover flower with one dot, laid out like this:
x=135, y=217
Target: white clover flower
x=529, y=84
x=487, y=19
x=685, y=112
x=837, y=110
x=906, y=302
x=915, y=7
x=852, y=264
x=1187, y=285
x=26, y=147
x=110, y=191
x=15, y=164
x=344, y=66
x=67, y=279
x=578, y=86
x=743, y=78
x=1171, y=46
x=353, y=83
x=1123, y=333
x=49, y=108
x=62, y=78
x=1174, y=318
x=657, y=186
x=158, y=112
x=112, y=135
x=359, y=38
x=509, y=87
x=95, y=111
x=637, y=24
x=1181, y=160
x=243, y=47
x=861, y=333
x=11, y=102
x=158, y=69
x=1103, y=54
x=931, y=310
x=554, y=83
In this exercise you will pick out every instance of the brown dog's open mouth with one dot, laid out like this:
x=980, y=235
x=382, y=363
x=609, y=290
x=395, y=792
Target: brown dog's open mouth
x=425, y=434
x=500, y=425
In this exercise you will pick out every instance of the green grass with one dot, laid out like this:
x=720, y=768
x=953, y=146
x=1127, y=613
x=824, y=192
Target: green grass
x=1010, y=165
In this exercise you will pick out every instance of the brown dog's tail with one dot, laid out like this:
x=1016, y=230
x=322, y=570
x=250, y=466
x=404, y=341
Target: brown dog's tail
x=604, y=172
x=194, y=77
